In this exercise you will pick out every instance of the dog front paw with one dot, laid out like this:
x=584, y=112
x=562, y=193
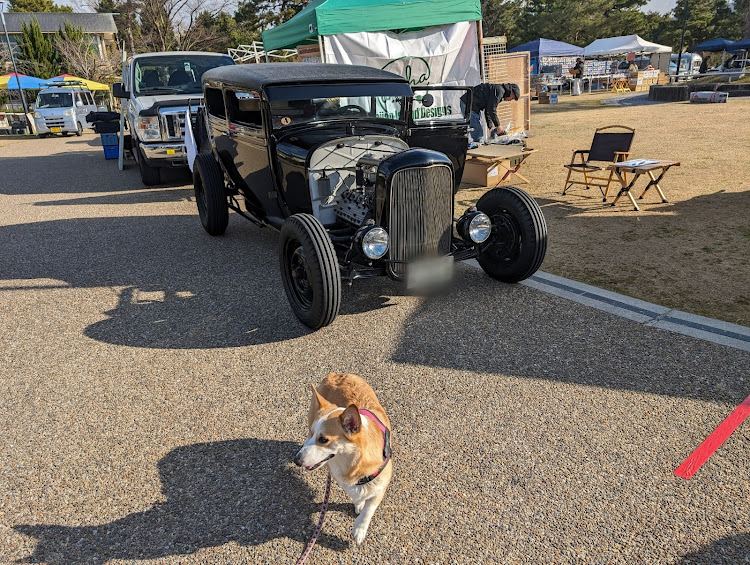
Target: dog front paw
x=360, y=531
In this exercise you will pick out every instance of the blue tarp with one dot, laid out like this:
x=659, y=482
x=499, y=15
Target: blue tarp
x=549, y=48
x=718, y=44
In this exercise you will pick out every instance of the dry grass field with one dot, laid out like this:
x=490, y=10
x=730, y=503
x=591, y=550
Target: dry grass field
x=692, y=253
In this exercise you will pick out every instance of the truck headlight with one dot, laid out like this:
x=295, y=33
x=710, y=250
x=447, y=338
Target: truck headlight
x=147, y=128
x=374, y=241
x=38, y=115
x=68, y=112
x=474, y=226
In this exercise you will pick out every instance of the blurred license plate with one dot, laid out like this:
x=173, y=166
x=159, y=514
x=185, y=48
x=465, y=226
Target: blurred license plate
x=55, y=130
x=429, y=273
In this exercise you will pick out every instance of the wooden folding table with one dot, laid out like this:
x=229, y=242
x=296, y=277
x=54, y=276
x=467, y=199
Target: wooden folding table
x=506, y=158
x=638, y=167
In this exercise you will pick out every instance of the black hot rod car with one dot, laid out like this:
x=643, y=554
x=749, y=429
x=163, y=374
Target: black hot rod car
x=358, y=172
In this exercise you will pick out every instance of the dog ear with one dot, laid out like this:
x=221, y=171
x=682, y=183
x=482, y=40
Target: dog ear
x=318, y=401
x=350, y=420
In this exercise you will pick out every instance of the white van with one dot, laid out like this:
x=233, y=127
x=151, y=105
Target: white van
x=63, y=109
x=690, y=64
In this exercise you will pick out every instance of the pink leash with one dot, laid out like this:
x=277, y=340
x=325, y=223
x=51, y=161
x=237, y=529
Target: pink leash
x=319, y=527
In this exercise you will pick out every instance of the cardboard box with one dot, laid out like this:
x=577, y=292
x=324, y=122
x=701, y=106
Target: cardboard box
x=480, y=174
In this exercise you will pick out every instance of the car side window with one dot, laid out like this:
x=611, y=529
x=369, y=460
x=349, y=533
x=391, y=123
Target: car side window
x=90, y=98
x=215, y=103
x=244, y=108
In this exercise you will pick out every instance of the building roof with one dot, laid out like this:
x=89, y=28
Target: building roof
x=52, y=22
x=267, y=74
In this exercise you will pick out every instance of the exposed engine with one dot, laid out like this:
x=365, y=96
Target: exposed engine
x=343, y=174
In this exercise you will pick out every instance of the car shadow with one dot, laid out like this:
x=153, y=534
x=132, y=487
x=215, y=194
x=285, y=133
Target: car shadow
x=144, y=196
x=244, y=491
x=730, y=550
x=488, y=327
x=176, y=287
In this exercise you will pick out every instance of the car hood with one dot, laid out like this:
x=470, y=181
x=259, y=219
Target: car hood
x=156, y=101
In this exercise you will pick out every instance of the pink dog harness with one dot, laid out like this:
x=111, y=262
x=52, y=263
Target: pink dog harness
x=386, y=446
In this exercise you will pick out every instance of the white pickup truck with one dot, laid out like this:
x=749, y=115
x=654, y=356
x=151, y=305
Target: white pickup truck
x=156, y=89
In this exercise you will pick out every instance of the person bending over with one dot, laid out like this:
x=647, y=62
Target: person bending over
x=486, y=97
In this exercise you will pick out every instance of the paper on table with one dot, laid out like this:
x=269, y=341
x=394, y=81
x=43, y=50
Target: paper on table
x=636, y=163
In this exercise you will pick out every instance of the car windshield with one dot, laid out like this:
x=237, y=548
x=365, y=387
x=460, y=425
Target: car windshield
x=294, y=112
x=54, y=100
x=174, y=74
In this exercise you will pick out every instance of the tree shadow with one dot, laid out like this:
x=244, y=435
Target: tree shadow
x=731, y=550
x=243, y=491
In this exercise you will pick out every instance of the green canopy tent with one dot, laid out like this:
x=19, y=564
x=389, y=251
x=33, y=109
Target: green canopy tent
x=333, y=17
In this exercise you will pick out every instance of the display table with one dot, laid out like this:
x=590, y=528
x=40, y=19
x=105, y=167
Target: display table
x=490, y=165
x=638, y=167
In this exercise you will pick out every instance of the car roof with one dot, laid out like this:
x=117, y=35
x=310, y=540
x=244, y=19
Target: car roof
x=177, y=53
x=257, y=76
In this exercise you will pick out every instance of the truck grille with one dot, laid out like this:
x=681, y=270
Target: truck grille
x=173, y=123
x=420, y=215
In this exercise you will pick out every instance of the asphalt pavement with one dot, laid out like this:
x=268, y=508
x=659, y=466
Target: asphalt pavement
x=154, y=386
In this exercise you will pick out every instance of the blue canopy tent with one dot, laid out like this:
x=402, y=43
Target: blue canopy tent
x=741, y=45
x=544, y=48
x=715, y=45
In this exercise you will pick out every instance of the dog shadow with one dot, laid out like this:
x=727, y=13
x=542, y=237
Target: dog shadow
x=243, y=491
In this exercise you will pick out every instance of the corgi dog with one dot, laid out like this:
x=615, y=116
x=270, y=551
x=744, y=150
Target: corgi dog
x=350, y=432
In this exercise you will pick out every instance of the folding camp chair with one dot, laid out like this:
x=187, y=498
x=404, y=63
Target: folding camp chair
x=607, y=147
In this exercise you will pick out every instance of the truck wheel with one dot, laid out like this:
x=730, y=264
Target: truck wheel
x=79, y=131
x=309, y=271
x=208, y=184
x=149, y=175
x=516, y=248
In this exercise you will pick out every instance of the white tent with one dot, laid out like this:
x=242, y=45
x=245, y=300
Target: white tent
x=623, y=44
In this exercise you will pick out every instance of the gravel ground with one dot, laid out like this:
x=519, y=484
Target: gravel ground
x=154, y=387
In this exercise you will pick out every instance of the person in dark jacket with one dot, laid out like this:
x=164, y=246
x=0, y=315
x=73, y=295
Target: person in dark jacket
x=486, y=97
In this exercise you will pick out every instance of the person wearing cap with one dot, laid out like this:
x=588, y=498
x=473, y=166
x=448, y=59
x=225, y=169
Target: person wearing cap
x=485, y=97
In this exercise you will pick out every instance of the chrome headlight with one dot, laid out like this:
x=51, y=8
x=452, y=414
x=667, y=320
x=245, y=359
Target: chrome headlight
x=38, y=115
x=373, y=241
x=147, y=128
x=474, y=226
x=68, y=112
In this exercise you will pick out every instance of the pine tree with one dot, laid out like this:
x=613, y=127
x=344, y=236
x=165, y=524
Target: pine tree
x=38, y=55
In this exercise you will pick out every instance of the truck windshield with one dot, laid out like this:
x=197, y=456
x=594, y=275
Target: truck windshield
x=174, y=74
x=54, y=100
x=294, y=112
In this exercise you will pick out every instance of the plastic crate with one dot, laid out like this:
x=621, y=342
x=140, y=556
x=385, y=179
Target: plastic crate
x=111, y=151
x=109, y=139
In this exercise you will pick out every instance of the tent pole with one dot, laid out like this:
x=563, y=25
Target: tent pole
x=15, y=70
x=320, y=47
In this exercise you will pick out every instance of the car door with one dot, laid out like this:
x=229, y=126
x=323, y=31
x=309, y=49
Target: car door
x=439, y=120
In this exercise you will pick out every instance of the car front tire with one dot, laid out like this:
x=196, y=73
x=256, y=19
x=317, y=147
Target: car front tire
x=79, y=130
x=310, y=271
x=149, y=175
x=208, y=184
x=518, y=242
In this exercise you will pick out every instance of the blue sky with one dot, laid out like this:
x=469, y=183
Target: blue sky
x=661, y=6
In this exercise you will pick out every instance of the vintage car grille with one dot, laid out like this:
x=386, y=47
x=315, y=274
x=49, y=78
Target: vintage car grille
x=420, y=215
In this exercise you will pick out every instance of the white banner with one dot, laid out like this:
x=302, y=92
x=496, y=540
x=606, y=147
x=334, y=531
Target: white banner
x=440, y=55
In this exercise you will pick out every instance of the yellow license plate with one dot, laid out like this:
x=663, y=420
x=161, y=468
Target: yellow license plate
x=55, y=130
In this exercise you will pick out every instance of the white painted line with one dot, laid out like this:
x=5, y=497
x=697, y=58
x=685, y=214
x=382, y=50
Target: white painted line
x=707, y=329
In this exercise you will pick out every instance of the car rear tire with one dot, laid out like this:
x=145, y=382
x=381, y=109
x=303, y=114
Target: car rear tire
x=149, y=175
x=79, y=130
x=309, y=271
x=210, y=197
x=518, y=242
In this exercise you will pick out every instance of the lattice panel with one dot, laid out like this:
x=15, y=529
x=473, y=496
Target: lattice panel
x=502, y=67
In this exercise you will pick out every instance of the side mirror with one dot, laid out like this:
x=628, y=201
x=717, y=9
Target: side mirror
x=428, y=100
x=118, y=91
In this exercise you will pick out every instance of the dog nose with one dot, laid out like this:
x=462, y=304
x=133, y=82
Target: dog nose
x=298, y=459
